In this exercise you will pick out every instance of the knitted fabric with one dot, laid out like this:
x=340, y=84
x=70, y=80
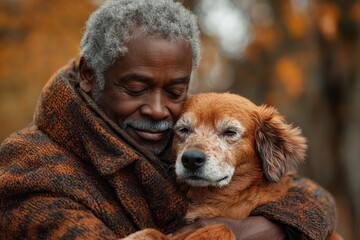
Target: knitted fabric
x=306, y=207
x=70, y=174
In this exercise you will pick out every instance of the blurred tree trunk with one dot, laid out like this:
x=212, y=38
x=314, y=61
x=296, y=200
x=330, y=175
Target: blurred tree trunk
x=339, y=58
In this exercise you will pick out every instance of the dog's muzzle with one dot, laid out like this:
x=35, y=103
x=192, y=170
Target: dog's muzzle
x=193, y=159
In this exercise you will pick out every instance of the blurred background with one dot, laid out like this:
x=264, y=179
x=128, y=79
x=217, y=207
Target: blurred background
x=301, y=56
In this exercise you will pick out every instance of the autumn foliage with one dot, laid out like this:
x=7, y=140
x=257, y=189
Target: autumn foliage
x=36, y=38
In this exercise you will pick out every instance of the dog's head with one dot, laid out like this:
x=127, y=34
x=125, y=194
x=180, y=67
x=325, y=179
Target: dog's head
x=220, y=134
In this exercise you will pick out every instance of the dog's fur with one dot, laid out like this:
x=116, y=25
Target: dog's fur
x=233, y=156
x=249, y=151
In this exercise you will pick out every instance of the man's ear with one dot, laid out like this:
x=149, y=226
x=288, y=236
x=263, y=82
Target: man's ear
x=87, y=76
x=279, y=145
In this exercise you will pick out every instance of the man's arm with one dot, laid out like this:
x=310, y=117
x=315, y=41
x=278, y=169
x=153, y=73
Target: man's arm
x=307, y=210
x=251, y=228
x=46, y=216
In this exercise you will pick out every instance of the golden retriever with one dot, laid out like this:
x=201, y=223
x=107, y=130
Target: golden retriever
x=233, y=156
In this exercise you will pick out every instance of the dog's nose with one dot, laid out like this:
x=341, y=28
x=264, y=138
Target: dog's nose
x=193, y=159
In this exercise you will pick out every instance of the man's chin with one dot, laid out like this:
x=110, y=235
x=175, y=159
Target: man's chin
x=155, y=147
x=156, y=151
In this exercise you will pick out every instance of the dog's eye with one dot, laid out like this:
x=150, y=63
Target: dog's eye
x=183, y=130
x=229, y=133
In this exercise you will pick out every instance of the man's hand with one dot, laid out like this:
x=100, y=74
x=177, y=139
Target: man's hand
x=251, y=228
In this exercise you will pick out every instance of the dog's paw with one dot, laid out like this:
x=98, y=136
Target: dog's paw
x=214, y=232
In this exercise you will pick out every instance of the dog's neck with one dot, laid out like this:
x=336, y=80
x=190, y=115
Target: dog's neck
x=235, y=200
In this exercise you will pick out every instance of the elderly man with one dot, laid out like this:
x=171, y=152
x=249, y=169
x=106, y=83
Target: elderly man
x=94, y=163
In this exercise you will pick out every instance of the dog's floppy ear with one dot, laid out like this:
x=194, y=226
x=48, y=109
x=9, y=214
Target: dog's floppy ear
x=279, y=145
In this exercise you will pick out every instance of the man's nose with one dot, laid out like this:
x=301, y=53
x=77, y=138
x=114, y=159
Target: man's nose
x=156, y=107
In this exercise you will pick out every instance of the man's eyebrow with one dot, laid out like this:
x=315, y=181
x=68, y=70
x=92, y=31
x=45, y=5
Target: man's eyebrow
x=136, y=77
x=181, y=80
x=141, y=78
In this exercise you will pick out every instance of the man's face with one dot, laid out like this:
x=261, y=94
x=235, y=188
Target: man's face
x=145, y=89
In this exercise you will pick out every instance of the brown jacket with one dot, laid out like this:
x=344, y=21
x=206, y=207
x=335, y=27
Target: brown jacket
x=73, y=173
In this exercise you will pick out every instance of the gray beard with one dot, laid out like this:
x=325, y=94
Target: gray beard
x=152, y=125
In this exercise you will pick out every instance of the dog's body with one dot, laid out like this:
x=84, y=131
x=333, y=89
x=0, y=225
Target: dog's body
x=233, y=156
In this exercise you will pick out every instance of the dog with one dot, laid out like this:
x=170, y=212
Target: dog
x=233, y=156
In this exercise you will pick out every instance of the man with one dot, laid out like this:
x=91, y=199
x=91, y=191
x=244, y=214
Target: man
x=94, y=163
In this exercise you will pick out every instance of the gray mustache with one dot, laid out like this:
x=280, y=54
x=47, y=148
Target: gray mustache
x=148, y=125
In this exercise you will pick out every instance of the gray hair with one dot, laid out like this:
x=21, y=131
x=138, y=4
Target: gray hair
x=110, y=27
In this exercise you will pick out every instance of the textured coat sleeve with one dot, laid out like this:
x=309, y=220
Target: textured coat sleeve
x=42, y=198
x=307, y=207
x=43, y=216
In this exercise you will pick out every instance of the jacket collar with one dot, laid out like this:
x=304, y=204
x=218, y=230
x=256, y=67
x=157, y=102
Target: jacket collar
x=73, y=120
